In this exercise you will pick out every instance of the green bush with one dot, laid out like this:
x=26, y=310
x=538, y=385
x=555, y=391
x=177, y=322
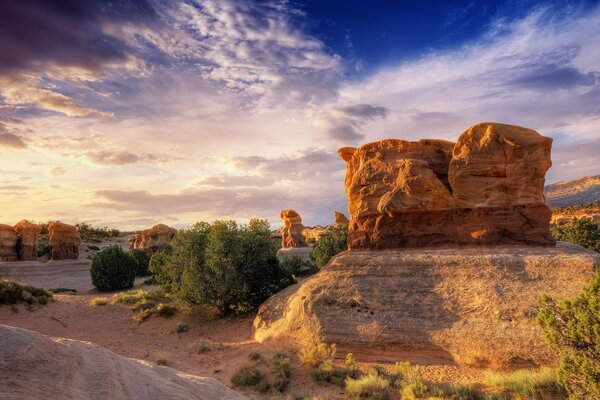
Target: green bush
x=296, y=266
x=12, y=292
x=250, y=376
x=229, y=267
x=113, y=269
x=282, y=371
x=572, y=329
x=143, y=260
x=371, y=385
x=329, y=246
x=583, y=232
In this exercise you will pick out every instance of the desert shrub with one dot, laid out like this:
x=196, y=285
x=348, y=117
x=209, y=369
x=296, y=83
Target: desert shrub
x=143, y=260
x=296, y=266
x=145, y=303
x=162, y=361
x=87, y=231
x=250, y=376
x=202, y=348
x=12, y=292
x=540, y=383
x=254, y=356
x=572, y=329
x=165, y=310
x=329, y=246
x=465, y=392
x=583, y=232
x=316, y=355
x=43, y=246
x=282, y=371
x=182, y=327
x=99, y=301
x=134, y=296
x=113, y=269
x=229, y=267
x=371, y=385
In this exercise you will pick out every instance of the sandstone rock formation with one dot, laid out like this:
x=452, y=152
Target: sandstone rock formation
x=64, y=240
x=292, y=234
x=28, y=234
x=33, y=366
x=8, y=243
x=487, y=189
x=340, y=220
x=464, y=305
x=314, y=234
x=153, y=240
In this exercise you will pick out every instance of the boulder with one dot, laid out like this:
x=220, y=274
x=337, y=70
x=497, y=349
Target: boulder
x=340, y=220
x=158, y=237
x=292, y=233
x=28, y=234
x=8, y=243
x=487, y=189
x=64, y=240
x=466, y=305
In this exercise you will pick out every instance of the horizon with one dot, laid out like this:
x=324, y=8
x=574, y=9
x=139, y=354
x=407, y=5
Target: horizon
x=134, y=113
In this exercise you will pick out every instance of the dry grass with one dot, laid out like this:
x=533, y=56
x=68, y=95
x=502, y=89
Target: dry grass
x=529, y=383
x=99, y=301
x=371, y=385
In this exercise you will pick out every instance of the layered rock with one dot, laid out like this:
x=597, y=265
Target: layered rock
x=153, y=240
x=340, y=220
x=64, y=240
x=486, y=189
x=466, y=305
x=28, y=235
x=292, y=235
x=8, y=243
x=314, y=234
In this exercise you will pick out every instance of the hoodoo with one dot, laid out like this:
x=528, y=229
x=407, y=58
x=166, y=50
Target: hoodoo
x=65, y=241
x=28, y=234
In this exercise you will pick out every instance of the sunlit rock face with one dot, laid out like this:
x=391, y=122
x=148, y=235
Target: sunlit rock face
x=64, y=240
x=28, y=234
x=153, y=240
x=340, y=220
x=486, y=189
x=8, y=243
x=292, y=235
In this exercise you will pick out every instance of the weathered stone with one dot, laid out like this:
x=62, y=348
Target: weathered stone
x=292, y=234
x=8, y=243
x=468, y=305
x=314, y=234
x=28, y=234
x=64, y=240
x=159, y=236
x=340, y=220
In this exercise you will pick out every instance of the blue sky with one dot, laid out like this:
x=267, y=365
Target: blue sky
x=129, y=113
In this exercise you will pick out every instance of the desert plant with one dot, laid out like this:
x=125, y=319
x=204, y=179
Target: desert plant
x=317, y=355
x=113, y=269
x=254, y=356
x=572, y=329
x=282, y=371
x=99, y=301
x=329, y=246
x=295, y=266
x=371, y=385
x=583, y=232
x=527, y=383
x=162, y=361
x=250, y=376
x=165, y=310
x=202, y=348
x=12, y=292
x=143, y=260
x=182, y=327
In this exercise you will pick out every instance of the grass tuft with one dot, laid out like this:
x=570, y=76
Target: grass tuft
x=99, y=301
x=162, y=362
x=182, y=327
x=202, y=348
x=250, y=376
x=539, y=384
x=12, y=292
x=371, y=385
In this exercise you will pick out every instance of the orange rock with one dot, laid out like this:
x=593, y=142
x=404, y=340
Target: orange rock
x=8, y=243
x=64, y=240
x=28, y=234
x=159, y=236
x=340, y=220
x=292, y=235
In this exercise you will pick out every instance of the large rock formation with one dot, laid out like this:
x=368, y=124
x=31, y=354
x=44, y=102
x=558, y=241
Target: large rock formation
x=340, y=220
x=8, y=243
x=153, y=240
x=314, y=234
x=487, y=189
x=28, y=234
x=34, y=366
x=464, y=305
x=292, y=233
x=64, y=240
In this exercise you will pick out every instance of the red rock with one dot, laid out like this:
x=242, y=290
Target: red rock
x=64, y=240
x=28, y=234
x=8, y=243
x=292, y=235
x=340, y=220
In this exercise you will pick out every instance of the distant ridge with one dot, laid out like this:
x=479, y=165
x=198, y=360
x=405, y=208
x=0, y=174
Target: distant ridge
x=573, y=192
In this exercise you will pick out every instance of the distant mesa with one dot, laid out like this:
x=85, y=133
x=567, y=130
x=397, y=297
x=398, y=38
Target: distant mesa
x=570, y=193
x=28, y=234
x=64, y=240
x=486, y=189
x=152, y=240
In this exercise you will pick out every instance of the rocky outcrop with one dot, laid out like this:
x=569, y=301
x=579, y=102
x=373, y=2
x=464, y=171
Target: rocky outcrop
x=577, y=191
x=28, y=234
x=64, y=240
x=314, y=234
x=340, y=220
x=34, y=366
x=8, y=243
x=153, y=240
x=472, y=306
x=292, y=230
x=487, y=189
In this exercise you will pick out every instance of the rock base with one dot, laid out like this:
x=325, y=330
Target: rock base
x=301, y=252
x=472, y=306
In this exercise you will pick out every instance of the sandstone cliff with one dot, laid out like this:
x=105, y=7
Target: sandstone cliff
x=577, y=191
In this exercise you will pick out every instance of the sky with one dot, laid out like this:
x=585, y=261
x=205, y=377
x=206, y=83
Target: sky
x=129, y=113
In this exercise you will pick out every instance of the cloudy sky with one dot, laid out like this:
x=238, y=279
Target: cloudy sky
x=128, y=113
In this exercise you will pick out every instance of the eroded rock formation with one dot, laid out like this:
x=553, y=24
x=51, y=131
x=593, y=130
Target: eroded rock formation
x=8, y=243
x=340, y=220
x=153, y=240
x=64, y=240
x=28, y=234
x=487, y=189
x=292, y=235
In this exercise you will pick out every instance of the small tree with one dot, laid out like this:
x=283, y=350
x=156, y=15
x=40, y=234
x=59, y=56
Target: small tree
x=583, y=232
x=329, y=246
x=572, y=329
x=143, y=260
x=113, y=269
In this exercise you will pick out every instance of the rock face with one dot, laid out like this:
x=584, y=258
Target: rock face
x=292, y=233
x=33, y=366
x=487, y=189
x=8, y=243
x=314, y=234
x=65, y=241
x=340, y=220
x=153, y=240
x=469, y=305
x=28, y=234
